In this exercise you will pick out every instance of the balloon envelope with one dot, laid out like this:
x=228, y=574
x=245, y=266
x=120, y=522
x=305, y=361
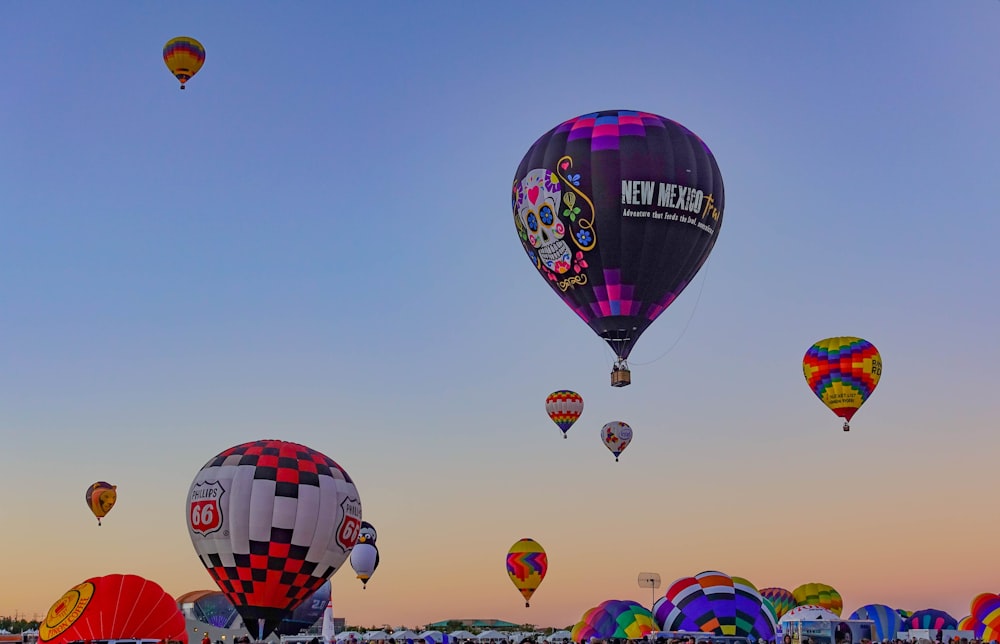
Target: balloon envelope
x=929, y=618
x=271, y=521
x=308, y=612
x=564, y=408
x=614, y=618
x=822, y=595
x=616, y=436
x=714, y=602
x=113, y=607
x=617, y=210
x=843, y=373
x=527, y=564
x=101, y=497
x=782, y=600
x=183, y=56
x=887, y=621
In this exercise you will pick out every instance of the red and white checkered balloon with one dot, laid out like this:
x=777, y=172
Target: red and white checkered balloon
x=271, y=522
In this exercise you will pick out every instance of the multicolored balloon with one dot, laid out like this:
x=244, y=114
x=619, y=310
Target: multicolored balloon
x=714, y=602
x=887, y=621
x=808, y=613
x=271, y=521
x=614, y=618
x=210, y=607
x=183, y=56
x=564, y=408
x=986, y=617
x=616, y=436
x=822, y=595
x=967, y=623
x=904, y=613
x=527, y=564
x=930, y=618
x=843, y=372
x=113, y=607
x=100, y=498
x=364, y=556
x=781, y=600
x=617, y=211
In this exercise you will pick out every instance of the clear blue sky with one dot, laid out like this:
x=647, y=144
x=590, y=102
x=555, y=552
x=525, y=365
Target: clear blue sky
x=314, y=242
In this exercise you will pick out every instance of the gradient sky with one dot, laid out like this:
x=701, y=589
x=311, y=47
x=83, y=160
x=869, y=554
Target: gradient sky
x=314, y=243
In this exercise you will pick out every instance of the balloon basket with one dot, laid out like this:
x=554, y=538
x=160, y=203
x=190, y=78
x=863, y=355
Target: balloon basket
x=847, y=427
x=621, y=377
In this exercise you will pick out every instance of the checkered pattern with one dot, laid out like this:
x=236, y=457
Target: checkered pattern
x=842, y=372
x=281, y=508
x=564, y=408
x=604, y=129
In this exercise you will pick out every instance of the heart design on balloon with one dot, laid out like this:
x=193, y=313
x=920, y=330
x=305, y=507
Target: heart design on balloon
x=533, y=194
x=564, y=165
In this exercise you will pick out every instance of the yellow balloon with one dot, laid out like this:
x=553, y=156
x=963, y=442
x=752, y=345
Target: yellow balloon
x=526, y=566
x=184, y=56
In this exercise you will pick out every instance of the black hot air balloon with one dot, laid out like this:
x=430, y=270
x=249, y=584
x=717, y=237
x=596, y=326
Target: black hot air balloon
x=617, y=210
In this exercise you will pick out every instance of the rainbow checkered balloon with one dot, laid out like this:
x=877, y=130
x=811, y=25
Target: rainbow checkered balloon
x=564, y=408
x=842, y=372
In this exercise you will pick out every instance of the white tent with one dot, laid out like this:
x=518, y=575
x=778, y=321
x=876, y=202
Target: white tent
x=808, y=613
x=375, y=636
x=491, y=635
x=436, y=636
x=404, y=635
x=560, y=636
x=461, y=635
x=343, y=635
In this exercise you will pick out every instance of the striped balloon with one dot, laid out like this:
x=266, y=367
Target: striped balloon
x=183, y=56
x=781, y=600
x=931, y=619
x=822, y=595
x=564, y=408
x=967, y=623
x=986, y=617
x=618, y=619
x=887, y=621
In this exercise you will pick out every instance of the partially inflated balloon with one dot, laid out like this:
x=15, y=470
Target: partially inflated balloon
x=271, y=521
x=101, y=497
x=564, y=408
x=822, y=595
x=843, y=373
x=781, y=600
x=113, y=607
x=616, y=436
x=887, y=620
x=183, y=56
x=714, y=602
x=967, y=623
x=526, y=566
x=930, y=618
x=617, y=210
x=614, y=619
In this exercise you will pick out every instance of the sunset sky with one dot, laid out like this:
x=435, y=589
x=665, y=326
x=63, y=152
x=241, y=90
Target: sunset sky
x=314, y=243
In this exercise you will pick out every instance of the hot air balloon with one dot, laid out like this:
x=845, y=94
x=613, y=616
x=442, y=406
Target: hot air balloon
x=714, y=602
x=271, y=521
x=617, y=210
x=931, y=619
x=307, y=613
x=526, y=566
x=887, y=621
x=781, y=600
x=564, y=408
x=364, y=556
x=183, y=56
x=101, y=497
x=614, y=619
x=967, y=623
x=113, y=607
x=209, y=607
x=986, y=617
x=822, y=595
x=616, y=436
x=843, y=373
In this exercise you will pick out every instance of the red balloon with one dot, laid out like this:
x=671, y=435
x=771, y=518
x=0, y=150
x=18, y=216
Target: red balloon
x=114, y=607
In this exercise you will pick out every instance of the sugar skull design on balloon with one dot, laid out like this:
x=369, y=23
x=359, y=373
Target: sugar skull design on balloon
x=549, y=219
